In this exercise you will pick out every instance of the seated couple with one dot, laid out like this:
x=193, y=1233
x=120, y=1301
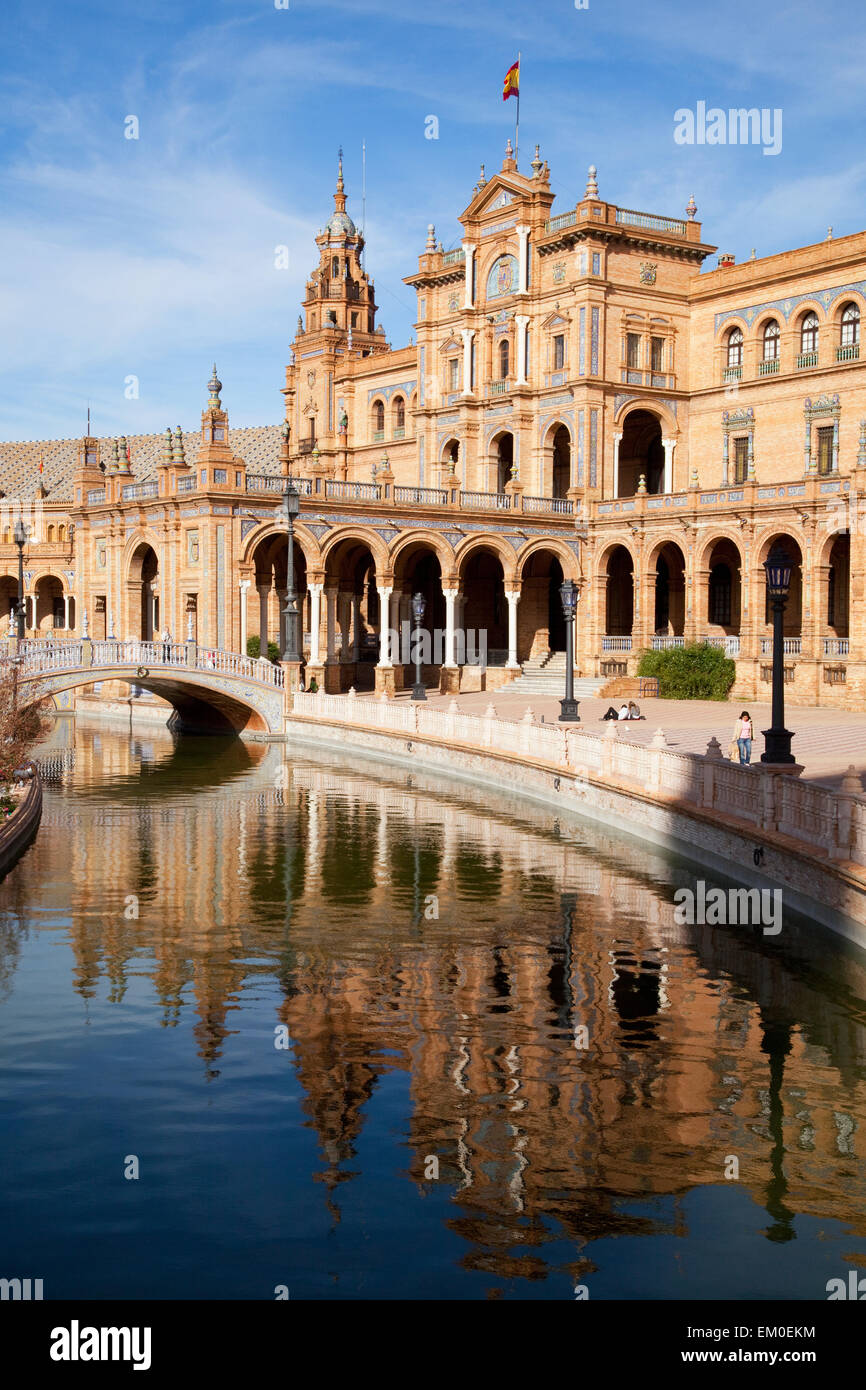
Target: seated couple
x=626, y=711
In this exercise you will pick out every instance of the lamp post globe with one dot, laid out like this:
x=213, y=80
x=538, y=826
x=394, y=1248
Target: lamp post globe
x=569, y=594
x=778, y=568
x=419, y=607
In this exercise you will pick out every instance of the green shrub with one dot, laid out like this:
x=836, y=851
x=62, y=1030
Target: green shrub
x=695, y=672
x=254, y=649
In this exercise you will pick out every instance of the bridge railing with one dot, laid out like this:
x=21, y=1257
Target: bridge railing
x=37, y=656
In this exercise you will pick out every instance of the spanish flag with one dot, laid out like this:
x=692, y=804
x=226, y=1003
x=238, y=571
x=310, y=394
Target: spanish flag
x=512, y=82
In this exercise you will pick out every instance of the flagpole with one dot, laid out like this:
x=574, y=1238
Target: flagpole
x=517, y=124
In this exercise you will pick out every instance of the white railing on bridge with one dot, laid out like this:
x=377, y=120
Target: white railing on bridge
x=36, y=656
x=616, y=644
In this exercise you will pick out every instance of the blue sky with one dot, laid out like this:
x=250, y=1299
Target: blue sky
x=152, y=257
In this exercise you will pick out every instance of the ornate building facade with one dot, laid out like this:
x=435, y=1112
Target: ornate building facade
x=582, y=401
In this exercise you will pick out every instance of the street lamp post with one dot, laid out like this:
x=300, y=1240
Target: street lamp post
x=290, y=509
x=569, y=593
x=20, y=535
x=419, y=605
x=777, y=739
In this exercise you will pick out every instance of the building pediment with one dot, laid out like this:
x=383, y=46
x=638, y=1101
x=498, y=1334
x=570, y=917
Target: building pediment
x=498, y=195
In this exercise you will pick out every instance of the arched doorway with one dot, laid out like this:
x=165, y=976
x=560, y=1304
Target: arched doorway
x=641, y=453
x=144, y=591
x=8, y=602
x=270, y=563
x=501, y=461
x=50, y=610
x=838, y=586
x=793, y=615
x=417, y=571
x=485, y=610
x=541, y=625
x=670, y=592
x=561, y=466
x=724, y=592
x=353, y=622
x=619, y=602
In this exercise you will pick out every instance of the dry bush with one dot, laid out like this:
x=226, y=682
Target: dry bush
x=21, y=726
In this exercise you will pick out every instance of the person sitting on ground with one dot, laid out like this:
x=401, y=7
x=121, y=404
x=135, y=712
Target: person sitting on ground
x=611, y=713
x=634, y=710
x=623, y=711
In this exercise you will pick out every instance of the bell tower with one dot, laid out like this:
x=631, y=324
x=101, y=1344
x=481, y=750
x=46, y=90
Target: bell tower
x=337, y=326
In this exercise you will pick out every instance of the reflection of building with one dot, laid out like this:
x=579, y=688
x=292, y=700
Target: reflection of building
x=699, y=1043
x=581, y=401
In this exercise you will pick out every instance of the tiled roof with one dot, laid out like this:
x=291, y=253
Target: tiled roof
x=258, y=446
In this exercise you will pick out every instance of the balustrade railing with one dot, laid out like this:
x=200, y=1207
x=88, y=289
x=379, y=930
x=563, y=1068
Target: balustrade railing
x=421, y=496
x=549, y=506
x=486, y=501
x=616, y=644
x=730, y=645
x=836, y=646
x=352, y=492
x=820, y=818
x=663, y=644
x=134, y=492
x=791, y=646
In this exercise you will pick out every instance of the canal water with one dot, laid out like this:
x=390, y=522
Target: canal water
x=275, y=1019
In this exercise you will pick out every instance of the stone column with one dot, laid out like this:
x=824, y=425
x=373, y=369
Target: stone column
x=66, y=598
x=331, y=634
x=513, y=599
x=469, y=251
x=616, y=443
x=522, y=277
x=467, y=334
x=669, y=445
x=449, y=672
x=521, y=320
x=356, y=627
x=315, y=621
x=384, y=623
x=243, y=587
x=264, y=590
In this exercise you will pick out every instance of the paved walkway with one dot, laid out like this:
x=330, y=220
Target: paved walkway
x=825, y=741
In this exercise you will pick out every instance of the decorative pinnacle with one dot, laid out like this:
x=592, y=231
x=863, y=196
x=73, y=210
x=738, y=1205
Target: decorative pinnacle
x=483, y=179
x=536, y=165
x=592, y=183
x=214, y=386
x=509, y=149
x=431, y=237
x=691, y=208
x=340, y=195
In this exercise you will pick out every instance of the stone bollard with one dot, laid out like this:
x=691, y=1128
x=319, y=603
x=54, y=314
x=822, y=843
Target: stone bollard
x=490, y=716
x=712, y=758
x=659, y=742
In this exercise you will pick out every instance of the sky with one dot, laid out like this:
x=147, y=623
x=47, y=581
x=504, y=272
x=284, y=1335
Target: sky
x=127, y=266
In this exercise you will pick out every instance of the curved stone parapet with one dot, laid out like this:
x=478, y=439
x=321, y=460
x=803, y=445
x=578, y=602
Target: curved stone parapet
x=20, y=829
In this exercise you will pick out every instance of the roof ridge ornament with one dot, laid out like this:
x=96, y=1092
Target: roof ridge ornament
x=691, y=208
x=592, y=183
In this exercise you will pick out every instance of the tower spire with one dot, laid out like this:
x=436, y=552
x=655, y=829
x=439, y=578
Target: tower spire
x=340, y=196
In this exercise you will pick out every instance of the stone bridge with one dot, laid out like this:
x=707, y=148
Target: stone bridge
x=211, y=690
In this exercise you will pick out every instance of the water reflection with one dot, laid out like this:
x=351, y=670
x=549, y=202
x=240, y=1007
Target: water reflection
x=460, y=978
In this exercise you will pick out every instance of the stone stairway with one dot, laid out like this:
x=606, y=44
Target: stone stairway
x=545, y=675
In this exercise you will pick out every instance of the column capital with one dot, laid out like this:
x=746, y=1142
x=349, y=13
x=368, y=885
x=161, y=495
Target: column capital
x=315, y=587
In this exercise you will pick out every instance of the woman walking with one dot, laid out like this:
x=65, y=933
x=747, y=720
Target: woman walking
x=743, y=735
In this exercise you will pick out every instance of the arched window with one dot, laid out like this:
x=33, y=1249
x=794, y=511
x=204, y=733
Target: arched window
x=61, y=533
x=378, y=419
x=735, y=347
x=850, y=325
x=809, y=332
x=335, y=269
x=50, y=536
x=399, y=414
x=504, y=352
x=771, y=341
